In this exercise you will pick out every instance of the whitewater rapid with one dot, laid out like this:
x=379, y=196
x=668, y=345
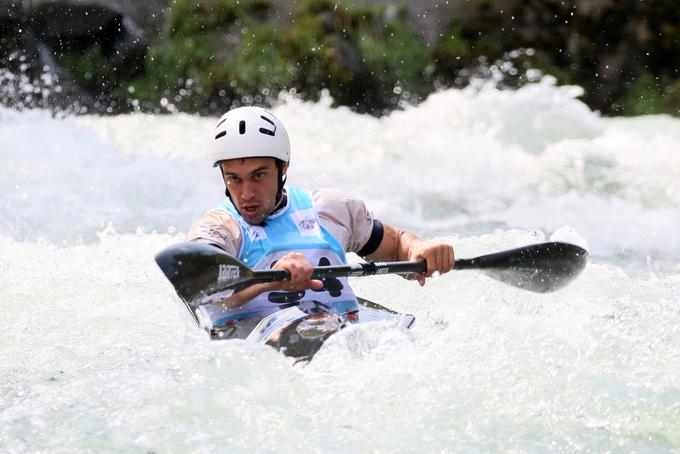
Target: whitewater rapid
x=97, y=354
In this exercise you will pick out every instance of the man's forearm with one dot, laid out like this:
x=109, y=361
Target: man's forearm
x=395, y=245
x=247, y=294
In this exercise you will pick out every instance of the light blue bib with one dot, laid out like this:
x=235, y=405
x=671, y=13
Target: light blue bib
x=294, y=228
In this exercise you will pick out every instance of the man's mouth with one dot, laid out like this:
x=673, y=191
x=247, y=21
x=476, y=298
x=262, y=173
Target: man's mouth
x=250, y=210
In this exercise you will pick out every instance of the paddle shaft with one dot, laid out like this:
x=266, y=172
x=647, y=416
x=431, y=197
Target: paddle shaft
x=359, y=269
x=356, y=270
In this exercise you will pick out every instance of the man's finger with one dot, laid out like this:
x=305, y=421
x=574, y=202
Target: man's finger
x=433, y=262
x=314, y=284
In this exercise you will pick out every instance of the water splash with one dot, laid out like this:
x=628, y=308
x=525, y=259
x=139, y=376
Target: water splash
x=97, y=353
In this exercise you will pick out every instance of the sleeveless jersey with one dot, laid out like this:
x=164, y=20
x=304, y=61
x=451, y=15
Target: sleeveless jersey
x=294, y=228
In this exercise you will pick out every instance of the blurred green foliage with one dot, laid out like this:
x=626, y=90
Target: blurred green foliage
x=651, y=94
x=671, y=103
x=217, y=54
x=644, y=96
x=222, y=53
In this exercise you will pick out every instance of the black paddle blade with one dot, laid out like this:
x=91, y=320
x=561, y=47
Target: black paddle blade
x=541, y=268
x=196, y=269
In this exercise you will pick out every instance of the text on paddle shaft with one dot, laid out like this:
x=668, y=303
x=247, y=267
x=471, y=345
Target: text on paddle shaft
x=228, y=272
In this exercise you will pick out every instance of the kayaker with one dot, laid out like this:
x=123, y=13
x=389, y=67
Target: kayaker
x=267, y=223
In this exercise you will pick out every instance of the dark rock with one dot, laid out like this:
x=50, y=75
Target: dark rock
x=343, y=53
x=10, y=9
x=81, y=17
x=51, y=30
x=70, y=20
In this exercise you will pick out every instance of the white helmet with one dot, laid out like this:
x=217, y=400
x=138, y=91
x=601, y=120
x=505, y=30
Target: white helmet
x=250, y=132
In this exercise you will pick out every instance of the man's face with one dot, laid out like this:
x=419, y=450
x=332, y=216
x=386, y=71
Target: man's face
x=252, y=183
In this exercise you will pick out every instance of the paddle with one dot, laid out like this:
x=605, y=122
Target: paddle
x=196, y=269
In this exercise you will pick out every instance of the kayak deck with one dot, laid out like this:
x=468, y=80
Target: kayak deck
x=300, y=334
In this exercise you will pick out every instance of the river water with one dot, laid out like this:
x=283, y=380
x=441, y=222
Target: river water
x=97, y=353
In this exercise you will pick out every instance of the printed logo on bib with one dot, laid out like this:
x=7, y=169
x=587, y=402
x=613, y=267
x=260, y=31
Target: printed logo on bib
x=305, y=221
x=256, y=233
x=331, y=285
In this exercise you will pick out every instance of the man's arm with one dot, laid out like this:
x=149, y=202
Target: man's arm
x=353, y=225
x=400, y=245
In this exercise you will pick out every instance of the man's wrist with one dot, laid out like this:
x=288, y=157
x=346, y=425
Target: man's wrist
x=405, y=243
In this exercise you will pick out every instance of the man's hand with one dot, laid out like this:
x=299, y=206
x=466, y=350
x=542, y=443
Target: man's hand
x=439, y=257
x=300, y=274
x=398, y=244
x=300, y=279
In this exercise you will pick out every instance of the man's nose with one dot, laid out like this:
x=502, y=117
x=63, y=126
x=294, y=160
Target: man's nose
x=248, y=190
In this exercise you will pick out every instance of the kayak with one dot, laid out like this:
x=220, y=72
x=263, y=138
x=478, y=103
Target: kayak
x=296, y=331
x=203, y=274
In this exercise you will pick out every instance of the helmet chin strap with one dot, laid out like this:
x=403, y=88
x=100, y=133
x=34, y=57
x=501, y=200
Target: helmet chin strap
x=282, y=182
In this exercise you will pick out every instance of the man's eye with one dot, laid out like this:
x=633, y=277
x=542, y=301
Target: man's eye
x=259, y=175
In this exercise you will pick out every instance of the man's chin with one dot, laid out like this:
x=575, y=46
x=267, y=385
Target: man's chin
x=256, y=219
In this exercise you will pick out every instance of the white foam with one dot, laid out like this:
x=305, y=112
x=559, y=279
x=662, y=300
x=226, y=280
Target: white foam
x=98, y=354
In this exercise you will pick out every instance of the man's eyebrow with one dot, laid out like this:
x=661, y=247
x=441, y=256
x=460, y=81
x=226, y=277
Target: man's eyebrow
x=259, y=169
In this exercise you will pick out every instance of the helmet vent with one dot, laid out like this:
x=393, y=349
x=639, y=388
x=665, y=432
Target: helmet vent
x=266, y=131
x=222, y=134
x=242, y=127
